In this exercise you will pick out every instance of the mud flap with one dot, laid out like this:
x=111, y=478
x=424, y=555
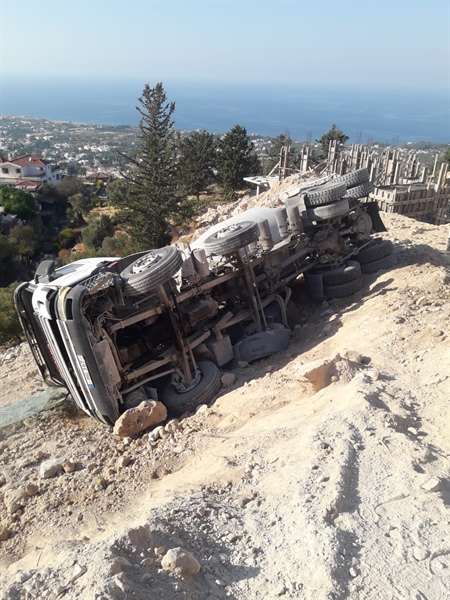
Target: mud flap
x=315, y=285
x=265, y=343
x=373, y=211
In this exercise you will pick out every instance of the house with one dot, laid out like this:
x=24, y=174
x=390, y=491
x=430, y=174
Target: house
x=27, y=185
x=26, y=170
x=95, y=177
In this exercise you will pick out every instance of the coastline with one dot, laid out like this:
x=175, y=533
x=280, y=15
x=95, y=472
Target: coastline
x=367, y=114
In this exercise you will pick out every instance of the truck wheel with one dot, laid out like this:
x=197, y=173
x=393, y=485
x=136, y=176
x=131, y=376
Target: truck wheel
x=360, y=191
x=354, y=178
x=203, y=392
x=151, y=269
x=383, y=264
x=232, y=238
x=328, y=211
x=325, y=194
x=346, y=272
x=375, y=251
x=344, y=289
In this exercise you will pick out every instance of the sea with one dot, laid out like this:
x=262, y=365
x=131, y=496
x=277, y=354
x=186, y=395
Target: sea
x=304, y=112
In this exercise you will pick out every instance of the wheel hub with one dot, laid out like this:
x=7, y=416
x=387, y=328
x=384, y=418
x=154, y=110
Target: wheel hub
x=179, y=381
x=145, y=262
x=227, y=230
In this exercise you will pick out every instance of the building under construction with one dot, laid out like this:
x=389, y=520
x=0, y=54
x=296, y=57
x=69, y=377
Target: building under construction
x=402, y=184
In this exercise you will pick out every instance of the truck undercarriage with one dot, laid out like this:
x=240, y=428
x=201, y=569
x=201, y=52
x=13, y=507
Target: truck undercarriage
x=159, y=324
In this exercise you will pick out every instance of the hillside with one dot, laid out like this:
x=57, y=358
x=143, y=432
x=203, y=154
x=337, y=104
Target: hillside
x=321, y=473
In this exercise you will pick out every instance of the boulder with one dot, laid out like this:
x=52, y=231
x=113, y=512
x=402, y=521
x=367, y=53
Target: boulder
x=138, y=419
x=180, y=561
x=228, y=379
x=15, y=498
x=50, y=468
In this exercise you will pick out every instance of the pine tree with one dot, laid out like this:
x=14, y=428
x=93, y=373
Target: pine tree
x=153, y=197
x=197, y=162
x=333, y=134
x=273, y=156
x=236, y=159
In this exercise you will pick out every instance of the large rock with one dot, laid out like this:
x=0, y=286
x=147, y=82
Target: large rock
x=181, y=561
x=140, y=418
x=50, y=468
x=14, y=499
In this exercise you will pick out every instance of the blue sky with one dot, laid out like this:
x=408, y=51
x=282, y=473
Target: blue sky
x=383, y=43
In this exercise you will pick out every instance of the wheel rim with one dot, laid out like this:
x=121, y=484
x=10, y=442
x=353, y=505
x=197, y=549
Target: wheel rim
x=182, y=387
x=227, y=230
x=145, y=262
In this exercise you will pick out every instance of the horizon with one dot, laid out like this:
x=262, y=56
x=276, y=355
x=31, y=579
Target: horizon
x=305, y=111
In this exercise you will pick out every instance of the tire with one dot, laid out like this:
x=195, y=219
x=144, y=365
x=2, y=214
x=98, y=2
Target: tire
x=383, y=264
x=343, y=290
x=232, y=238
x=360, y=191
x=325, y=194
x=377, y=250
x=345, y=273
x=151, y=269
x=328, y=211
x=206, y=389
x=354, y=178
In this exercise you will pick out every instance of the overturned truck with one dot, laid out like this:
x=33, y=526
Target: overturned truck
x=159, y=324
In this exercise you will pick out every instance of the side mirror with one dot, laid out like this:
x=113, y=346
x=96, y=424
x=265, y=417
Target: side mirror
x=45, y=268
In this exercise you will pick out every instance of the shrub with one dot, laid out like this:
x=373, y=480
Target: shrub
x=67, y=238
x=118, y=245
x=97, y=231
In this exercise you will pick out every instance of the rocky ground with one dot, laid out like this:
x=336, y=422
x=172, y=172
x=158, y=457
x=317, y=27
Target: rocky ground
x=320, y=473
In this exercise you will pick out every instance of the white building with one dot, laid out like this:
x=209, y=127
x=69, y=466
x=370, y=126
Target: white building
x=30, y=168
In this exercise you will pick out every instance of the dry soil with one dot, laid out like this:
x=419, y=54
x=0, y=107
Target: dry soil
x=321, y=473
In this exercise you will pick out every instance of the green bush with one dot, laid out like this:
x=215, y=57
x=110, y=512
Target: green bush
x=118, y=245
x=17, y=202
x=96, y=231
x=67, y=238
x=10, y=328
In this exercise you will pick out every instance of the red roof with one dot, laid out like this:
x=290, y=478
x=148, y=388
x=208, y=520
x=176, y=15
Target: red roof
x=29, y=159
x=26, y=183
x=98, y=176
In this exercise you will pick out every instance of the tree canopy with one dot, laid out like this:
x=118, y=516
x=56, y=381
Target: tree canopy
x=197, y=162
x=80, y=206
x=25, y=240
x=154, y=196
x=17, y=202
x=97, y=230
x=333, y=134
x=273, y=156
x=236, y=159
